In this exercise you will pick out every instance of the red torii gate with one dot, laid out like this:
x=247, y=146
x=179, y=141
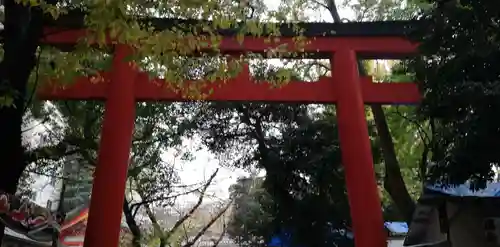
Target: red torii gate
x=124, y=85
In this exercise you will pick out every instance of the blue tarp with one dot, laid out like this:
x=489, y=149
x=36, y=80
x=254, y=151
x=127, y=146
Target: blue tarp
x=491, y=190
x=276, y=242
x=397, y=227
x=280, y=240
x=394, y=227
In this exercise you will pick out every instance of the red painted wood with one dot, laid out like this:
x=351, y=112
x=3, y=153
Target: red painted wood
x=239, y=89
x=105, y=213
x=362, y=189
x=369, y=46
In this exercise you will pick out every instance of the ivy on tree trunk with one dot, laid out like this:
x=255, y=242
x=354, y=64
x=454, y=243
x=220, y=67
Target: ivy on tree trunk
x=23, y=28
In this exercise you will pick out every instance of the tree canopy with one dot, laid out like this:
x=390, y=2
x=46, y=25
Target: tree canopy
x=458, y=71
x=304, y=185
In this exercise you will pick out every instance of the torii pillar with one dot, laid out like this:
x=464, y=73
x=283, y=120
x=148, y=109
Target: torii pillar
x=108, y=191
x=356, y=152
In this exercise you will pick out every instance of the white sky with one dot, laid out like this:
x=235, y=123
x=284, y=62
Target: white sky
x=205, y=163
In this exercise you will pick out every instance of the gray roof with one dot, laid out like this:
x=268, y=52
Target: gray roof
x=18, y=236
x=491, y=190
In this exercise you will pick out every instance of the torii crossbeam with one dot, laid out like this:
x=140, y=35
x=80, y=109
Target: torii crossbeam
x=124, y=85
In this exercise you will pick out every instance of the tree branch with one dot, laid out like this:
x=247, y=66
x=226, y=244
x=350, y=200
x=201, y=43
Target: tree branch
x=54, y=152
x=320, y=4
x=55, y=176
x=421, y=130
x=132, y=224
x=393, y=180
x=221, y=236
x=135, y=206
x=158, y=231
x=194, y=208
x=205, y=228
x=332, y=8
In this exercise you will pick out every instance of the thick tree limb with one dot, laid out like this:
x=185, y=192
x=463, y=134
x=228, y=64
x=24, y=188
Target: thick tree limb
x=224, y=231
x=55, y=152
x=23, y=28
x=208, y=225
x=332, y=8
x=194, y=208
x=134, y=207
x=132, y=224
x=393, y=180
x=159, y=231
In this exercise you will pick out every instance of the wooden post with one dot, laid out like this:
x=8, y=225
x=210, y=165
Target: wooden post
x=103, y=226
x=362, y=189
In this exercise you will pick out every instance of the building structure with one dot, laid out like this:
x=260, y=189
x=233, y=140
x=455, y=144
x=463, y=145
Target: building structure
x=15, y=239
x=456, y=217
x=396, y=233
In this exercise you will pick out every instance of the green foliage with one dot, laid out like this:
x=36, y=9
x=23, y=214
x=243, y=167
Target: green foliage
x=410, y=134
x=384, y=9
x=77, y=186
x=458, y=69
x=410, y=137
x=167, y=50
x=76, y=131
x=249, y=222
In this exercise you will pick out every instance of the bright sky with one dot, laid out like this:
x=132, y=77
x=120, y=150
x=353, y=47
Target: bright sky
x=201, y=169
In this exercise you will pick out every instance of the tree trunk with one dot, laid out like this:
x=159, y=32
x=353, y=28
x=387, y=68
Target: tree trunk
x=60, y=211
x=132, y=224
x=23, y=28
x=393, y=180
x=159, y=232
x=221, y=213
x=163, y=242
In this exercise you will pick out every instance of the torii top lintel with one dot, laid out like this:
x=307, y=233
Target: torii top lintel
x=75, y=20
x=374, y=40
